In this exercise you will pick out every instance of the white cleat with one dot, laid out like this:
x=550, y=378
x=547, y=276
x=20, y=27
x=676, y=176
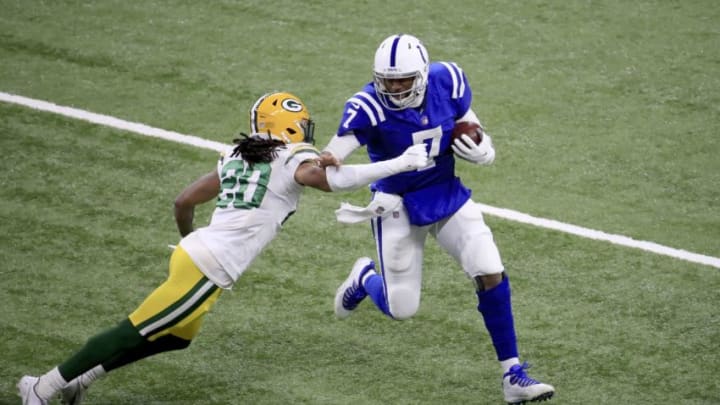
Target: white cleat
x=26, y=390
x=351, y=292
x=519, y=388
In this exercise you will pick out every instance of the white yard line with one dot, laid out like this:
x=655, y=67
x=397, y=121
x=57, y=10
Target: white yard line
x=110, y=121
x=498, y=212
x=600, y=235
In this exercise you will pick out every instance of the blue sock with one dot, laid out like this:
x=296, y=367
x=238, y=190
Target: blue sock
x=496, y=309
x=375, y=288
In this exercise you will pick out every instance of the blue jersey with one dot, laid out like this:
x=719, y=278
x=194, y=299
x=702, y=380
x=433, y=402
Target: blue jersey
x=432, y=193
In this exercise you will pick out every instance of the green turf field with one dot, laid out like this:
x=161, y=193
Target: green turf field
x=604, y=114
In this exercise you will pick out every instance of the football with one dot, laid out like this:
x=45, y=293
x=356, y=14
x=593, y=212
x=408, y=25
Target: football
x=472, y=129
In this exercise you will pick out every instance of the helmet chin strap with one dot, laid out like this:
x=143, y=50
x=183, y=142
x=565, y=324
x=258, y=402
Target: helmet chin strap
x=417, y=100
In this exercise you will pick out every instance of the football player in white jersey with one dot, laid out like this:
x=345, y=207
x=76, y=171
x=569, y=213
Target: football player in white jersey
x=414, y=102
x=256, y=185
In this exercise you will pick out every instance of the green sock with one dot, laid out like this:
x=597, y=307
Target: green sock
x=102, y=347
x=163, y=344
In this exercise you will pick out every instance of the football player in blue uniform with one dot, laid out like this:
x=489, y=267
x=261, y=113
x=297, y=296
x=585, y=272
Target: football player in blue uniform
x=413, y=101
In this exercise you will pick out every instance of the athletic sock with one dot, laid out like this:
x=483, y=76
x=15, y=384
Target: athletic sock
x=49, y=384
x=506, y=364
x=375, y=288
x=100, y=348
x=162, y=344
x=87, y=378
x=496, y=309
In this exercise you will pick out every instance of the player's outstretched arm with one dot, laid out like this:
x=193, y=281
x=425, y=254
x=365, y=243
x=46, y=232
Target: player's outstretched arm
x=351, y=177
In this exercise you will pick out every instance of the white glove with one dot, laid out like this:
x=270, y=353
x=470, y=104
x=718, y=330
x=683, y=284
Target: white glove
x=414, y=157
x=482, y=154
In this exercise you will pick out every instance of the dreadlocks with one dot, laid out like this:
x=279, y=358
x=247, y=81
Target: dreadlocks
x=255, y=149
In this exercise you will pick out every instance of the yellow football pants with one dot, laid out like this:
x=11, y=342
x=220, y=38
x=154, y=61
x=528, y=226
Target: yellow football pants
x=179, y=304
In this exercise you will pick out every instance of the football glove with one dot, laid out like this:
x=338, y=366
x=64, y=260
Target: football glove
x=482, y=154
x=414, y=157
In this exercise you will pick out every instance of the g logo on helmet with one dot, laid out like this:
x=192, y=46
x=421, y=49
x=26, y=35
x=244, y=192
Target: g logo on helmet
x=292, y=105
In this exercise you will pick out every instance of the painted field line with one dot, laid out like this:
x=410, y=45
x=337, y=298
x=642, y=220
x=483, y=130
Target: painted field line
x=600, y=235
x=110, y=121
x=498, y=212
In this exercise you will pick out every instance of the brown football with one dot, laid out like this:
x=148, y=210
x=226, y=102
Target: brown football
x=472, y=129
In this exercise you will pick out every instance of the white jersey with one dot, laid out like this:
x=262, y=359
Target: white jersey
x=253, y=202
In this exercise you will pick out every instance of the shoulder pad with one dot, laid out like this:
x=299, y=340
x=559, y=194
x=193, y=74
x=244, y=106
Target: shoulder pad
x=450, y=76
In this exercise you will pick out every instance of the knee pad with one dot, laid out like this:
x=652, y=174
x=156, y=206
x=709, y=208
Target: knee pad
x=403, y=303
x=399, y=259
x=481, y=258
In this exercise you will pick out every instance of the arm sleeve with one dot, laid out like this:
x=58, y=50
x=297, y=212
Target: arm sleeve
x=342, y=146
x=470, y=116
x=351, y=177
